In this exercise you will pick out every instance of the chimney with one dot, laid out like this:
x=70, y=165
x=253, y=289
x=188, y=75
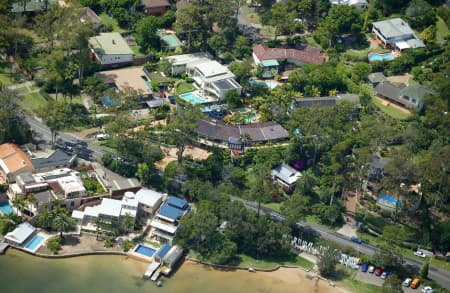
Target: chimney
x=114, y=42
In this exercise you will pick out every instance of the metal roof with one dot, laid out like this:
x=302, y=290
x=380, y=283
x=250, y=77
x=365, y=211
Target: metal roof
x=57, y=160
x=269, y=63
x=110, y=44
x=161, y=253
x=177, y=202
x=20, y=233
x=393, y=28
x=170, y=212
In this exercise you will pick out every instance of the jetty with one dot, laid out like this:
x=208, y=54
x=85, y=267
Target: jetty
x=151, y=269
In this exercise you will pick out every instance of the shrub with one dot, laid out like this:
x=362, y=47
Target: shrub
x=127, y=245
x=54, y=244
x=109, y=241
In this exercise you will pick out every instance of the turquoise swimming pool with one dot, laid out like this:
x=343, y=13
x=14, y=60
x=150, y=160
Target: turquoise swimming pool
x=252, y=118
x=5, y=208
x=34, y=242
x=381, y=57
x=389, y=200
x=269, y=83
x=171, y=40
x=192, y=98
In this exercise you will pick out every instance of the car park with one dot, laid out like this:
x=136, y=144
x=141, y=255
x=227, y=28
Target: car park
x=356, y=239
x=371, y=269
x=420, y=254
x=378, y=272
x=364, y=267
x=407, y=282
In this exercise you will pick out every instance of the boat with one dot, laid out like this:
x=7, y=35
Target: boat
x=251, y=270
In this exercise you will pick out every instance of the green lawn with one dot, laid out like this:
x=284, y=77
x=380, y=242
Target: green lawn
x=442, y=30
x=184, y=87
x=310, y=40
x=6, y=77
x=391, y=111
x=248, y=261
x=276, y=206
x=31, y=102
x=106, y=20
x=137, y=50
x=250, y=16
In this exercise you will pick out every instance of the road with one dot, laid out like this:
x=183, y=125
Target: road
x=87, y=150
x=440, y=276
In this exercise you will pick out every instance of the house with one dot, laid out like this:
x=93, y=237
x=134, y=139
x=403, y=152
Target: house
x=13, y=162
x=31, y=5
x=376, y=78
x=221, y=132
x=89, y=15
x=270, y=59
x=209, y=75
x=58, y=159
x=396, y=33
x=20, y=234
x=309, y=102
x=286, y=176
x=376, y=169
x=171, y=259
x=165, y=223
x=360, y=4
x=155, y=7
x=410, y=96
x=148, y=202
x=111, y=50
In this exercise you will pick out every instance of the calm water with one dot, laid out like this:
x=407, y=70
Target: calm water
x=20, y=272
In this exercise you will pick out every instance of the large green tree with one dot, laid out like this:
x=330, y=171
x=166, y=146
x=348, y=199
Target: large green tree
x=146, y=33
x=13, y=126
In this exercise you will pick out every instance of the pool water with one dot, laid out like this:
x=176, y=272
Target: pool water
x=192, y=98
x=5, y=208
x=381, y=57
x=144, y=250
x=171, y=40
x=252, y=118
x=270, y=84
x=389, y=199
x=34, y=242
x=107, y=101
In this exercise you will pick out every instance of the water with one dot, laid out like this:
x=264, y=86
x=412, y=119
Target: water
x=388, y=199
x=5, y=208
x=381, y=57
x=171, y=40
x=34, y=243
x=192, y=98
x=107, y=101
x=147, y=251
x=270, y=84
x=20, y=272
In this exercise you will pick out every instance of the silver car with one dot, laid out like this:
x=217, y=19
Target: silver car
x=371, y=269
x=407, y=282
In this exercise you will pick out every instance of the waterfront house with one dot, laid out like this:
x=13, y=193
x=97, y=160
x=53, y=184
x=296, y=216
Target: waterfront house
x=360, y=4
x=171, y=259
x=397, y=34
x=13, y=162
x=111, y=50
x=270, y=59
x=20, y=234
x=286, y=176
x=155, y=7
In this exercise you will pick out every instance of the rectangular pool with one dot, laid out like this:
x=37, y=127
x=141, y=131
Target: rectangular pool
x=192, y=98
x=34, y=242
x=5, y=208
x=144, y=250
x=381, y=57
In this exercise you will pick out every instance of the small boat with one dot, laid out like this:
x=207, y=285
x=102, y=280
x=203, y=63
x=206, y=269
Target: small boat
x=159, y=283
x=251, y=270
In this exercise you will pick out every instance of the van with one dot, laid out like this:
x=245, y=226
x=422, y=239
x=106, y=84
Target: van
x=415, y=283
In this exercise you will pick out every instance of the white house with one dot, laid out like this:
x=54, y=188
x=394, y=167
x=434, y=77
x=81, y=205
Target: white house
x=20, y=234
x=285, y=175
x=111, y=49
x=209, y=75
x=360, y=4
x=397, y=34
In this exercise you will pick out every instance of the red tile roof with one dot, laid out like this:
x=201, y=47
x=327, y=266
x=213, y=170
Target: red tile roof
x=14, y=157
x=307, y=54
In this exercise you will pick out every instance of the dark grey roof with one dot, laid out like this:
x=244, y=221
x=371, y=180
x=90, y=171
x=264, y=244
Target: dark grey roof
x=225, y=84
x=309, y=102
x=260, y=132
x=415, y=91
x=57, y=159
x=390, y=91
x=376, y=77
x=43, y=196
x=155, y=103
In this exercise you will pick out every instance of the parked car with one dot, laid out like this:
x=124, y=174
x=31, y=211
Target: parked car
x=378, y=272
x=420, y=254
x=172, y=100
x=356, y=239
x=384, y=275
x=364, y=267
x=371, y=269
x=415, y=283
x=427, y=289
x=407, y=282
x=102, y=136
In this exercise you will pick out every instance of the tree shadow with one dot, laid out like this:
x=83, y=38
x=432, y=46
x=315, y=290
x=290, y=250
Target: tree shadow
x=71, y=240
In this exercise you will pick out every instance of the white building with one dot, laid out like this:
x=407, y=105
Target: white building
x=111, y=49
x=397, y=34
x=360, y=4
x=286, y=176
x=20, y=234
x=209, y=75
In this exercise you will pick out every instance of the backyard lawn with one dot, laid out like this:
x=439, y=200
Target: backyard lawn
x=391, y=111
x=137, y=50
x=248, y=261
x=184, y=87
x=441, y=30
x=32, y=101
x=106, y=20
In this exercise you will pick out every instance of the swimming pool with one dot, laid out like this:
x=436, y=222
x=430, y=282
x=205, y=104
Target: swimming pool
x=34, y=243
x=252, y=118
x=381, y=57
x=5, y=208
x=171, y=40
x=192, y=98
x=107, y=101
x=269, y=83
x=144, y=250
x=388, y=200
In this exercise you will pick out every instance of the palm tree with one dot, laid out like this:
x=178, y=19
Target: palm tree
x=98, y=226
x=31, y=200
x=63, y=223
x=19, y=204
x=127, y=223
x=45, y=219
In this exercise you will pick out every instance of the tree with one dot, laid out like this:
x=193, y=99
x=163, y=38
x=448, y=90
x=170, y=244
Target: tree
x=295, y=208
x=280, y=18
x=387, y=259
x=146, y=33
x=56, y=115
x=428, y=35
x=142, y=173
x=242, y=70
x=62, y=222
x=13, y=126
x=392, y=285
x=45, y=219
x=19, y=204
x=327, y=263
x=189, y=21
x=31, y=200
x=424, y=270
x=233, y=99
x=182, y=128
x=360, y=71
x=394, y=234
x=420, y=14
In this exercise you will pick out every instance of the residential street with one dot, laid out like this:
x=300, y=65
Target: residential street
x=442, y=277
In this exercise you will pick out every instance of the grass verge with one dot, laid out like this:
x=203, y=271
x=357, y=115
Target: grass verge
x=106, y=20
x=391, y=111
x=295, y=260
x=441, y=30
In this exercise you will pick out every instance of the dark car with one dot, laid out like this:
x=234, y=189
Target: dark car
x=172, y=100
x=364, y=267
x=356, y=240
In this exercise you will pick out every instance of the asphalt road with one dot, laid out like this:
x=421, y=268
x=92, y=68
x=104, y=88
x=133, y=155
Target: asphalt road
x=440, y=276
x=85, y=149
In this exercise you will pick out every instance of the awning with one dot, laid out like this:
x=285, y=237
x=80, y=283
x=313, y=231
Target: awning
x=402, y=45
x=269, y=63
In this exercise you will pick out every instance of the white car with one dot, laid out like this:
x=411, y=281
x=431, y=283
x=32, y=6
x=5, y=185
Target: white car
x=371, y=269
x=407, y=282
x=427, y=289
x=420, y=254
